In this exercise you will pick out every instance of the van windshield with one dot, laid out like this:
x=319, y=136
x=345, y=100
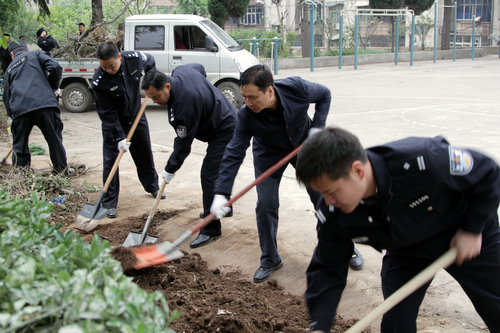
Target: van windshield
x=228, y=42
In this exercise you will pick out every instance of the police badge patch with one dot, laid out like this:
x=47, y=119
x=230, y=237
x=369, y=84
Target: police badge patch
x=181, y=131
x=461, y=161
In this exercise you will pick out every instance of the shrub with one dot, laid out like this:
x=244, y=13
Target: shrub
x=52, y=282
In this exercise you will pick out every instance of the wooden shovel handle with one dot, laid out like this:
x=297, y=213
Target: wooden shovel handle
x=409, y=287
x=129, y=137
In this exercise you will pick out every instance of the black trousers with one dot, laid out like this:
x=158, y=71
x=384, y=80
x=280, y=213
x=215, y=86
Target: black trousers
x=209, y=173
x=49, y=122
x=141, y=153
x=479, y=278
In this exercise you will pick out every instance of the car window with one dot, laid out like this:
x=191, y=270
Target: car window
x=149, y=37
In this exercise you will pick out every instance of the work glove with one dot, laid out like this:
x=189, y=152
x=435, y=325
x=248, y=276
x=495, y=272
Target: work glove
x=313, y=131
x=167, y=176
x=123, y=144
x=218, y=206
x=57, y=92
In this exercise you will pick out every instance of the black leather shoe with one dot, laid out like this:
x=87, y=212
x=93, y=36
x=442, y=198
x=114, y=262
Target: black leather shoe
x=111, y=213
x=263, y=273
x=202, y=240
x=155, y=194
x=203, y=215
x=356, y=261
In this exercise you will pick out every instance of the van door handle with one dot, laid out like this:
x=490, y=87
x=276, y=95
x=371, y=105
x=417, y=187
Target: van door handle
x=177, y=58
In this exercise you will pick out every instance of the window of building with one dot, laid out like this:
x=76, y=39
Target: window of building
x=254, y=15
x=149, y=37
x=466, y=9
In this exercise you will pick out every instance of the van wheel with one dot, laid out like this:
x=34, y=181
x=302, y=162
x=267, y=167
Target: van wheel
x=231, y=91
x=77, y=97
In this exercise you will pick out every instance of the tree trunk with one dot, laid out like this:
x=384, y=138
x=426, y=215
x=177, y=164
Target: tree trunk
x=445, y=31
x=97, y=14
x=305, y=33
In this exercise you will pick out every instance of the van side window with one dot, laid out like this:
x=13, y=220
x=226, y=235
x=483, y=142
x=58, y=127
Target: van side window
x=149, y=37
x=189, y=37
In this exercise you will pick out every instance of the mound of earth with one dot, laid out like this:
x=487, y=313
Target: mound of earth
x=208, y=300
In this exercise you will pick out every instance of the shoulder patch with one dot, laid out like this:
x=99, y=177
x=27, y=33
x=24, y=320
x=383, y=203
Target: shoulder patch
x=461, y=161
x=181, y=131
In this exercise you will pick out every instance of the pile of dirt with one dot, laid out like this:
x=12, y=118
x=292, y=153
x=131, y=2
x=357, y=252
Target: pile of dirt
x=208, y=300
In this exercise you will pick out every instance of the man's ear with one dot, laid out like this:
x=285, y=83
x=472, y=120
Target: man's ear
x=358, y=168
x=167, y=86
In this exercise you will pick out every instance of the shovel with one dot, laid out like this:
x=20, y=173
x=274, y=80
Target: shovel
x=137, y=238
x=165, y=251
x=91, y=215
x=4, y=160
x=409, y=287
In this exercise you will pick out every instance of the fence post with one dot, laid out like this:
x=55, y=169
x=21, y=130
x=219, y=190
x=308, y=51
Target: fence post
x=276, y=44
x=396, y=47
x=341, y=21
x=356, y=32
x=254, y=41
x=473, y=35
x=454, y=30
x=435, y=28
x=312, y=36
x=412, y=41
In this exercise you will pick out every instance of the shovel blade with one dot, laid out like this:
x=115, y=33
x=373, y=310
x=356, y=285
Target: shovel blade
x=151, y=256
x=89, y=217
x=135, y=238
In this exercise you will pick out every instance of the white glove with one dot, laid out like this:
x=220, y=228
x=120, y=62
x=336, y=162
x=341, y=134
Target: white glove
x=123, y=144
x=57, y=92
x=313, y=131
x=218, y=207
x=167, y=176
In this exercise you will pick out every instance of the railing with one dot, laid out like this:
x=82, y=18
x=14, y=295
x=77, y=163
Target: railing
x=254, y=46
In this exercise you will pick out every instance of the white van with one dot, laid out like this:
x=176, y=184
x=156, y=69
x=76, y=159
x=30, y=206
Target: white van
x=173, y=40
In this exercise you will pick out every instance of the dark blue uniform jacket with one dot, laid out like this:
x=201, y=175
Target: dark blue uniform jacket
x=30, y=72
x=196, y=110
x=270, y=142
x=118, y=96
x=426, y=191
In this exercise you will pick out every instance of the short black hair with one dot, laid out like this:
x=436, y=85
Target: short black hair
x=156, y=79
x=259, y=75
x=81, y=23
x=106, y=50
x=330, y=151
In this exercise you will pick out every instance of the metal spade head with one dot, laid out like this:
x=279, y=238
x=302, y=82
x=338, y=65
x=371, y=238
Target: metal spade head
x=135, y=238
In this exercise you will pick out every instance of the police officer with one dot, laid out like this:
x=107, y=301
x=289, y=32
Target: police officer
x=275, y=116
x=5, y=57
x=45, y=41
x=415, y=197
x=196, y=110
x=29, y=99
x=117, y=93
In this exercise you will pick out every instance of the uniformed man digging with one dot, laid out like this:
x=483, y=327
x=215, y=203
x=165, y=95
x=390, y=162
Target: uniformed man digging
x=196, y=110
x=416, y=198
x=116, y=86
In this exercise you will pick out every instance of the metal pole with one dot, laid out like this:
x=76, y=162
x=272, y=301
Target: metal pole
x=276, y=44
x=254, y=48
x=341, y=21
x=312, y=37
x=454, y=30
x=396, y=39
x=356, y=31
x=412, y=38
x=272, y=54
x=435, y=28
x=473, y=34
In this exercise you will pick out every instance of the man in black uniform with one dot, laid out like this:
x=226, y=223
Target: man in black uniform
x=29, y=99
x=45, y=41
x=117, y=94
x=5, y=57
x=275, y=117
x=415, y=197
x=196, y=110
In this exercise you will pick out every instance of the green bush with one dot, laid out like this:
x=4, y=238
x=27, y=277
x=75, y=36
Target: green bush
x=54, y=282
x=285, y=47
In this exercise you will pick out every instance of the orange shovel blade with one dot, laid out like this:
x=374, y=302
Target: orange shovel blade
x=151, y=256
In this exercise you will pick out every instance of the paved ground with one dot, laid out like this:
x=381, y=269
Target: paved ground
x=379, y=103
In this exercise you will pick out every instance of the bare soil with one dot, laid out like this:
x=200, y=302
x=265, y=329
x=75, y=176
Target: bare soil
x=209, y=300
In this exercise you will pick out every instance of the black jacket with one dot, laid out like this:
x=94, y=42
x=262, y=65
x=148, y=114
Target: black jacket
x=118, y=96
x=27, y=86
x=426, y=191
x=47, y=44
x=274, y=138
x=196, y=110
